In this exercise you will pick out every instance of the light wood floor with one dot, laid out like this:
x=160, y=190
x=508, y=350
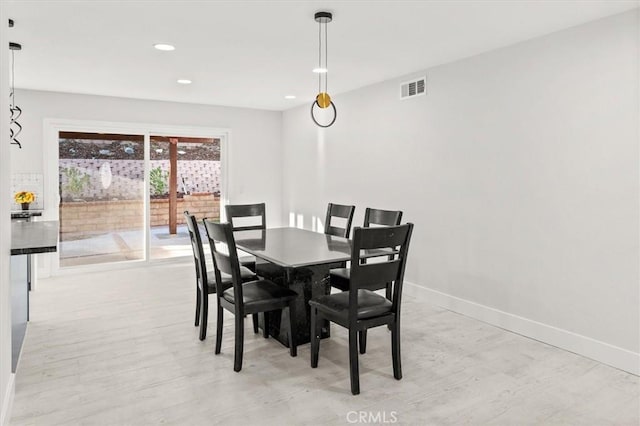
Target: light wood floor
x=121, y=348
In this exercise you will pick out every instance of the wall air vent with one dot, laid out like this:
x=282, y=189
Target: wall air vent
x=410, y=89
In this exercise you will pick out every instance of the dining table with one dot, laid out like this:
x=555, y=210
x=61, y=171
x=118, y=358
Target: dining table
x=298, y=259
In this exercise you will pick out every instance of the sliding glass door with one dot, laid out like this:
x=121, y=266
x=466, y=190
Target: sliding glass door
x=101, y=187
x=105, y=213
x=184, y=176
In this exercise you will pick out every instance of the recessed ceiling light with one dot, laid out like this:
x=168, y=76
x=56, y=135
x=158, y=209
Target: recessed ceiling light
x=184, y=81
x=290, y=97
x=319, y=70
x=164, y=46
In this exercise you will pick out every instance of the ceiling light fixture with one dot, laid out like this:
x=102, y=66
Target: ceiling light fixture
x=184, y=81
x=290, y=97
x=14, y=127
x=323, y=100
x=164, y=47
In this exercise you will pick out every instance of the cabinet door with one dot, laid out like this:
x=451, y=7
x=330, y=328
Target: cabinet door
x=19, y=306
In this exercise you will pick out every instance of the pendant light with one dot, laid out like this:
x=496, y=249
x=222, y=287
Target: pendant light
x=14, y=127
x=323, y=100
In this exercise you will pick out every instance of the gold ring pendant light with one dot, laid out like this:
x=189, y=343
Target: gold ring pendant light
x=323, y=100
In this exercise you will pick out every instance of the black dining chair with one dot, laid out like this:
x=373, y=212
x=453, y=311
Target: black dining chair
x=205, y=280
x=339, y=211
x=245, y=211
x=339, y=277
x=258, y=296
x=361, y=307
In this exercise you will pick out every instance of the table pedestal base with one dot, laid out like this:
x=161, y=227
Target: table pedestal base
x=308, y=282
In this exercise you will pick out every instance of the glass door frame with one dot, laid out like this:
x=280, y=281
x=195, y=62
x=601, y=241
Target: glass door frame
x=52, y=128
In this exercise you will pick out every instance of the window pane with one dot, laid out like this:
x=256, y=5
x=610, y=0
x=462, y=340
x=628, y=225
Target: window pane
x=197, y=179
x=101, y=178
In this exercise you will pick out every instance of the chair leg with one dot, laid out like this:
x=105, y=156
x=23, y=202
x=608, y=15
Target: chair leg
x=395, y=350
x=204, y=313
x=353, y=362
x=315, y=337
x=219, y=326
x=255, y=323
x=239, y=346
x=265, y=331
x=389, y=296
x=293, y=345
x=198, y=300
x=362, y=334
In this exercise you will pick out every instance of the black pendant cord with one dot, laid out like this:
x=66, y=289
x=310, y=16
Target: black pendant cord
x=326, y=61
x=319, y=57
x=323, y=74
x=13, y=86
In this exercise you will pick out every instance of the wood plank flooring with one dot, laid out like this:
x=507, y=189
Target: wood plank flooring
x=120, y=348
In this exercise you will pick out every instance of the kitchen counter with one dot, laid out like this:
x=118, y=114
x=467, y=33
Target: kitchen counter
x=34, y=237
x=25, y=214
x=27, y=238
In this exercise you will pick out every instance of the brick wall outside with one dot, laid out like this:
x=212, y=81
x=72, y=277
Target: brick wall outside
x=82, y=219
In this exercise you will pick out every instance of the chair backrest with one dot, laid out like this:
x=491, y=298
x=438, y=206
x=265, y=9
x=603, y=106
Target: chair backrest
x=374, y=276
x=238, y=211
x=198, y=250
x=382, y=217
x=378, y=217
x=344, y=212
x=225, y=257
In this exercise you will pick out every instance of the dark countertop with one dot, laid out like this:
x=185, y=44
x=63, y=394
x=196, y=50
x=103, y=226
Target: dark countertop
x=34, y=237
x=25, y=214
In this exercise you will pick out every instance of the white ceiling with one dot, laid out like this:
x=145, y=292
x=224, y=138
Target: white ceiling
x=253, y=53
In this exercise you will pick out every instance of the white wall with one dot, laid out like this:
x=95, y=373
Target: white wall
x=255, y=162
x=520, y=169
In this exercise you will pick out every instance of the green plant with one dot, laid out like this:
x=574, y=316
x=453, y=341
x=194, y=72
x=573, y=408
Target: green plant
x=158, y=181
x=76, y=181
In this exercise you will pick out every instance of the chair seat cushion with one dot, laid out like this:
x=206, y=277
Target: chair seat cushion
x=340, y=278
x=248, y=262
x=370, y=304
x=261, y=292
x=245, y=274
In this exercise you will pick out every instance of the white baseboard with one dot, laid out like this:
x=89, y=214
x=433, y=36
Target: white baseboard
x=582, y=345
x=5, y=414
